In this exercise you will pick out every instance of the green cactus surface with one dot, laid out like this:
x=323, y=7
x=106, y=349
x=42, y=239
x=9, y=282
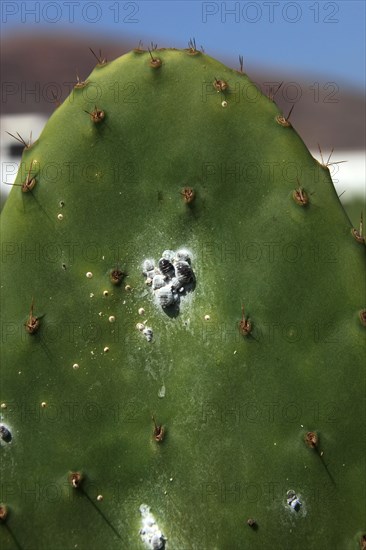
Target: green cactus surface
x=247, y=385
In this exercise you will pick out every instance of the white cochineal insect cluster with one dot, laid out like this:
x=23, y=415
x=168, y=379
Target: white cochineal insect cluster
x=171, y=278
x=5, y=434
x=293, y=500
x=150, y=533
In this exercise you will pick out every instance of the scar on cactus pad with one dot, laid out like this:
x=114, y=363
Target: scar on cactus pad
x=362, y=316
x=358, y=233
x=245, y=325
x=285, y=121
x=188, y=195
x=97, y=115
x=33, y=323
x=252, y=523
x=75, y=478
x=3, y=512
x=117, y=276
x=159, y=431
x=220, y=85
x=80, y=83
x=29, y=181
x=172, y=173
x=300, y=196
x=100, y=59
x=154, y=61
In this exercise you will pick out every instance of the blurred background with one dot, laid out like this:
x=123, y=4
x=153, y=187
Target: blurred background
x=317, y=49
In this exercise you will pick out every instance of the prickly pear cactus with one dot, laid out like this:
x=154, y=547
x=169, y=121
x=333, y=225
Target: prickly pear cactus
x=183, y=323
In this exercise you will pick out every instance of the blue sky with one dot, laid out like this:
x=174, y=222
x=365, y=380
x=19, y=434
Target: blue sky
x=325, y=39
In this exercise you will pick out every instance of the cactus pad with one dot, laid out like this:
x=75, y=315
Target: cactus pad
x=144, y=416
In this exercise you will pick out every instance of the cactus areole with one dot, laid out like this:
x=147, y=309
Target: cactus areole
x=182, y=305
